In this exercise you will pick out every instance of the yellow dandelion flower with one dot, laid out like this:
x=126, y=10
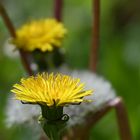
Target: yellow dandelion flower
x=42, y=34
x=49, y=89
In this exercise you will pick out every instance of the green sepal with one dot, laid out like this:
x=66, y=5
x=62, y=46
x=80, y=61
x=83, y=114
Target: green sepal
x=52, y=113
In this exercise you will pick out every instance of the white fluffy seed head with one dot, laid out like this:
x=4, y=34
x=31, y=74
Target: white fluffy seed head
x=19, y=113
x=103, y=93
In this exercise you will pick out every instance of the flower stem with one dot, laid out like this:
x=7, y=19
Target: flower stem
x=58, y=5
x=95, y=38
x=11, y=29
x=52, y=131
x=52, y=121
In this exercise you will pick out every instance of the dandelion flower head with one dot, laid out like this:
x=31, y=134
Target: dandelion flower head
x=51, y=89
x=44, y=35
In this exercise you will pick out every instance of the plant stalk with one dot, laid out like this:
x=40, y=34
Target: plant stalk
x=11, y=29
x=58, y=5
x=96, y=34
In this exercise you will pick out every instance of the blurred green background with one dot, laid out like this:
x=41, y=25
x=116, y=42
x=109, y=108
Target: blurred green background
x=119, y=55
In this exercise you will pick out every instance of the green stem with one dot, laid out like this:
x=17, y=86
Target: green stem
x=52, y=131
x=53, y=121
